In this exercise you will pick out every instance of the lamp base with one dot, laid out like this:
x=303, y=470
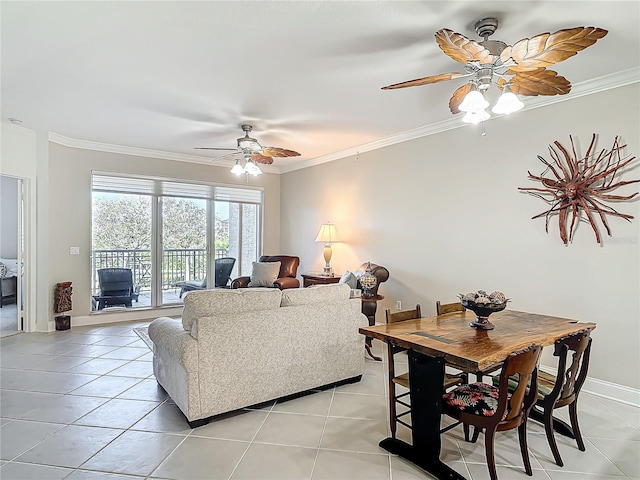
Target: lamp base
x=327, y=271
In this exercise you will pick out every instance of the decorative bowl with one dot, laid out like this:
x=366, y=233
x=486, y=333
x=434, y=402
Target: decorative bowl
x=483, y=305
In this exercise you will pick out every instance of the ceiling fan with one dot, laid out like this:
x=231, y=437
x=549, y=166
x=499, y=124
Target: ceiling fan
x=520, y=68
x=252, y=152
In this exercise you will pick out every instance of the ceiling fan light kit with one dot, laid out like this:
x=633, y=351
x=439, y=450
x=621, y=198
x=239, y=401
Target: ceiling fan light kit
x=518, y=69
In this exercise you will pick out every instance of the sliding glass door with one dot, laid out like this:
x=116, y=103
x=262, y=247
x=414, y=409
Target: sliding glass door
x=184, y=246
x=163, y=237
x=121, y=241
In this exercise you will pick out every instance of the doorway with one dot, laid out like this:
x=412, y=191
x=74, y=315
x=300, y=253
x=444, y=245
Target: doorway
x=11, y=249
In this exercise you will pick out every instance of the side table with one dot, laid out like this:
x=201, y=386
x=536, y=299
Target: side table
x=314, y=278
x=369, y=308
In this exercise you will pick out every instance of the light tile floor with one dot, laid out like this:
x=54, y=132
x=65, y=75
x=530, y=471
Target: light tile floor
x=83, y=405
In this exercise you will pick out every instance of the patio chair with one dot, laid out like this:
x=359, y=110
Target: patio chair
x=116, y=288
x=223, y=267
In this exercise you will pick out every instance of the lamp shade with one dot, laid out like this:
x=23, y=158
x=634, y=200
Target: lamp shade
x=507, y=103
x=474, y=102
x=327, y=233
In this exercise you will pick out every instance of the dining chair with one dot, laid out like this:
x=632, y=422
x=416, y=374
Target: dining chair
x=497, y=409
x=562, y=389
x=444, y=308
x=450, y=380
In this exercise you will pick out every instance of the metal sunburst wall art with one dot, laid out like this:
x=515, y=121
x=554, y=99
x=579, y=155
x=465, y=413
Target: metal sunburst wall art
x=580, y=186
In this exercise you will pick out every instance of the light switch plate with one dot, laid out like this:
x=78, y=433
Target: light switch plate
x=74, y=250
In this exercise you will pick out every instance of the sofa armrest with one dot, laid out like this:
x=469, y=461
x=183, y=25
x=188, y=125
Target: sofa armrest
x=240, y=282
x=169, y=334
x=287, y=282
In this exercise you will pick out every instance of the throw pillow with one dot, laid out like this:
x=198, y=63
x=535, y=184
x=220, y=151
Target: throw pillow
x=264, y=274
x=3, y=270
x=350, y=279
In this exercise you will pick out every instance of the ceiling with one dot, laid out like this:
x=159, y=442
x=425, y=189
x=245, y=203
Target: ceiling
x=170, y=76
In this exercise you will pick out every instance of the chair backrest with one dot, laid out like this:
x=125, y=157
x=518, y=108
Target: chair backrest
x=523, y=365
x=572, y=375
x=288, y=264
x=378, y=271
x=223, y=268
x=444, y=308
x=403, y=315
x=115, y=282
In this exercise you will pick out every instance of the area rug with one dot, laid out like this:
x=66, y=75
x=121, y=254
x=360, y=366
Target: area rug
x=143, y=333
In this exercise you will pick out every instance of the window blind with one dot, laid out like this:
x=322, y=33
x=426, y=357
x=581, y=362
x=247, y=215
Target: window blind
x=171, y=188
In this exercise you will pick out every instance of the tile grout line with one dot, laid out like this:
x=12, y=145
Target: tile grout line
x=251, y=441
x=324, y=427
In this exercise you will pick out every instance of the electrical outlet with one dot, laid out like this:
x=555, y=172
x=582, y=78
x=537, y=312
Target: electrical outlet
x=398, y=305
x=74, y=250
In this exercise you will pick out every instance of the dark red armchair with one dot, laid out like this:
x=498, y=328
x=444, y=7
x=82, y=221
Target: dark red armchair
x=286, y=276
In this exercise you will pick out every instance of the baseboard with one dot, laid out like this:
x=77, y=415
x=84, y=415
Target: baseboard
x=602, y=388
x=124, y=315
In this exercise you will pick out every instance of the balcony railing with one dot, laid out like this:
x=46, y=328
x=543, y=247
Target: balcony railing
x=177, y=265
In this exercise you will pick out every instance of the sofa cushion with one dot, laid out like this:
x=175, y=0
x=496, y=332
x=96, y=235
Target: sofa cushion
x=264, y=274
x=315, y=294
x=207, y=303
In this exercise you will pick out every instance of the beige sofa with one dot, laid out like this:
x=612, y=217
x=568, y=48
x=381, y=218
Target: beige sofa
x=237, y=348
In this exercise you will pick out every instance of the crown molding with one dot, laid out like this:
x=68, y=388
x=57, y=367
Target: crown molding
x=145, y=152
x=589, y=87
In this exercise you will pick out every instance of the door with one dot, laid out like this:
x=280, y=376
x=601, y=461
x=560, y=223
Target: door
x=11, y=250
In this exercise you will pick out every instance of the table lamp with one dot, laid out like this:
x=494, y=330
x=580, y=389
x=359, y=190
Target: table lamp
x=327, y=234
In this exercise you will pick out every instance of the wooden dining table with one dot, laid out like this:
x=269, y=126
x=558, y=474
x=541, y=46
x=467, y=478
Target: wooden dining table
x=448, y=339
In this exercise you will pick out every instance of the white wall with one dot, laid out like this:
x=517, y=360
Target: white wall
x=69, y=203
x=444, y=215
x=19, y=158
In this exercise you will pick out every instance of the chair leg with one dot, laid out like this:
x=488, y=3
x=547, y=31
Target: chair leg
x=465, y=427
x=476, y=434
x=488, y=446
x=522, y=433
x=573, y=415
x=548, y=429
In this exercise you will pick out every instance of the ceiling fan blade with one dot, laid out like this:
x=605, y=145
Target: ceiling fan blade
x=278, y=152
x=213, y=148
x=537, y=82
x=426, y=80
x=259, y=158
x=462, y=49
x=546, y=49
x=458, y=97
